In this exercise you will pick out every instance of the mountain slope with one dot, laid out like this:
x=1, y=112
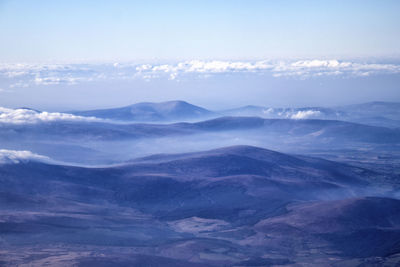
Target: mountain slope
x=242, y=176
x=223, y=207
x=359, y=227
x=242, y=171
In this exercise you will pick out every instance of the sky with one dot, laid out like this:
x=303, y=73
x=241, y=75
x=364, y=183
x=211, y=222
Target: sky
x=219, y=54
x=209, y=29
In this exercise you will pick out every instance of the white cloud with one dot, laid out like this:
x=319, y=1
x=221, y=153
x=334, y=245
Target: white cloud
x=55, y=80
x=310, y=68
x=303, y=68
x=24, y=75
x=320, y=63
x=305, y=114
x=17, y=156
x=202, y=67
x=21, y=116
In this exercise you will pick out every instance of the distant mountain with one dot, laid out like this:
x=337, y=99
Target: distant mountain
x=146, y=112
x=386, y=114
x=374, y=113
x=249, y=110
x=325, y=130
x=232, y=206
x=373, y=109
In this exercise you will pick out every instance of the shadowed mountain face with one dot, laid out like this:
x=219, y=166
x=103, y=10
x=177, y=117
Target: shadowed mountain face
x=340, y=215
x=358, y=227
x=234, y=206
x=164, y=111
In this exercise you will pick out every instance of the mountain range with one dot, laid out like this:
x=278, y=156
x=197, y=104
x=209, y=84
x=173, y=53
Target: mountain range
x=376, y=113
x=173, y=184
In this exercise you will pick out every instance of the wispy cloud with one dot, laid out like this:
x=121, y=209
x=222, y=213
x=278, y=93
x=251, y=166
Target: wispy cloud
x=28, y=116
x=27, y=75
x=298, y=113
x=55, y=80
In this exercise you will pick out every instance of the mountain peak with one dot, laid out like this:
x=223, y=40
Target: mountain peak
x=150, y=111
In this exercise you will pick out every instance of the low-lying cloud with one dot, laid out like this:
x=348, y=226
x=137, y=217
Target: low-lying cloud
x=292, y=113
x=303, y=69
x=17, y=156
x=30, y=75
x=27, y=116
x=305, y=114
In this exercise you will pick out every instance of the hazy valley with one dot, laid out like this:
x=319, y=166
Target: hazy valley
x=136, y=186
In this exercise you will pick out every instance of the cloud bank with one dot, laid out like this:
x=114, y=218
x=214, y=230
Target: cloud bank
x=30, y=75
x=303, y=69
x=17, y=156
x=28, y=116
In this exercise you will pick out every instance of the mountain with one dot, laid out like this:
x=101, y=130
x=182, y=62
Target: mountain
x=377, y=113
x=146, y=112
x=218, y=207
x=238, y=166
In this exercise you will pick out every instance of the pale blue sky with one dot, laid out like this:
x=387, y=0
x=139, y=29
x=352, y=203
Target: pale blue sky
x=317, y=52
x=42, y=31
